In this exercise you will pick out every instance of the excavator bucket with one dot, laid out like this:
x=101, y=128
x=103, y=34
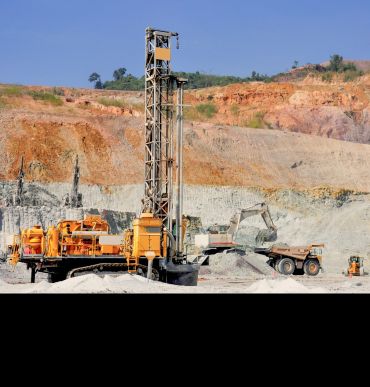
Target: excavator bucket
x=266, y=236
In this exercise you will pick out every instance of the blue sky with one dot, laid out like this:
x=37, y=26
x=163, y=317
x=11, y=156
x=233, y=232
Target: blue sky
x=60, y=42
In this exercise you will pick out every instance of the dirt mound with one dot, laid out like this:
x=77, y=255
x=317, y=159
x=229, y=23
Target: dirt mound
x=283, y=286
x=235, y=265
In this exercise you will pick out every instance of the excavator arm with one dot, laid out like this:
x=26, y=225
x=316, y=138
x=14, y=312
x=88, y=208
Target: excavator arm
x=266, y=215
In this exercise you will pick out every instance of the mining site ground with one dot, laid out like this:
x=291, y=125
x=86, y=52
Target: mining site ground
x=213, y=284
x=339, y=220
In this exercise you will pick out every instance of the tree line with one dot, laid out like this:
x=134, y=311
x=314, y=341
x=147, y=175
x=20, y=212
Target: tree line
x=126, y=81
x=123, y=81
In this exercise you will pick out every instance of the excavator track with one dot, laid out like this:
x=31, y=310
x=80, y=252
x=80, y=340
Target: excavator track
x=101, y=267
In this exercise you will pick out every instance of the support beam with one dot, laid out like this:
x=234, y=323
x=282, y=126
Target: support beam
x=180, y=162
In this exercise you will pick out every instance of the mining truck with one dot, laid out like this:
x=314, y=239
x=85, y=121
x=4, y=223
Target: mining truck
x=289, y=260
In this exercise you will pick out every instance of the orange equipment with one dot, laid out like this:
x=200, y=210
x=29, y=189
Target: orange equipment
x=13, y=251
x=33, y=241
x=89, y=237
x=356, y=266
x=80, y=238
x=146, y=240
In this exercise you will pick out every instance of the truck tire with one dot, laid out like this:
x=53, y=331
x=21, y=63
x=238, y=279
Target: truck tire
x=311, y=267
x=276, y=265
x=286, y=266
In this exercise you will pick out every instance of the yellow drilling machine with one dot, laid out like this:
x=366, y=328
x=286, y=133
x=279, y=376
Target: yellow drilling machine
x=154, y=246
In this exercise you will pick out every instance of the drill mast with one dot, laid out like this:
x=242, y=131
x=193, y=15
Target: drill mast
x=159, y=113
x=76, y=197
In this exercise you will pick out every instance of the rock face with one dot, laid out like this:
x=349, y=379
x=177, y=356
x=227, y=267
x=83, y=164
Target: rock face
x=334, y=110
x=110, y=145
x=214, y=155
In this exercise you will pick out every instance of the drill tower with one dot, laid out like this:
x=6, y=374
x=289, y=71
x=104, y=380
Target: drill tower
x=159, y=113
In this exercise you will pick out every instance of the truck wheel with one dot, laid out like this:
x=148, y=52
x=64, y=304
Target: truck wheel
x=311, y=267
x=276, y=265
x=286, y=266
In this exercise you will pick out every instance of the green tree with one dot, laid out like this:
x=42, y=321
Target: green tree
x=336, y=63
x=119, y=74
x=295, y=64
x=95, y=77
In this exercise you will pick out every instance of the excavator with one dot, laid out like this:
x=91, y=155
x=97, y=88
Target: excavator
x=219, y=239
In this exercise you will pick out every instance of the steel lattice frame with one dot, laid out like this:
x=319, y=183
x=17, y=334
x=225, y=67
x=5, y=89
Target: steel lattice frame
x=159, y=113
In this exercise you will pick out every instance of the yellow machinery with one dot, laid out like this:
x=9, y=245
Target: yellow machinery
x=356, y=266
x=147, y=240
x=150, y=248
x=33, y=241
x=55, y=250
x=80, y=238
x=149, y=237
x=76, y=246
x=13, y=251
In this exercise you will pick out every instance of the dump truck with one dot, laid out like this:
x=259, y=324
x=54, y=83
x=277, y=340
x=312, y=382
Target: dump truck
x=289, y=260
x=219, y=238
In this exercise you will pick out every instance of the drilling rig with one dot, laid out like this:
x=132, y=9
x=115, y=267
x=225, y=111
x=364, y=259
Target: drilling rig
x=151, y=248
x=18, y=200
x=159, y=153
x=74, y=200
